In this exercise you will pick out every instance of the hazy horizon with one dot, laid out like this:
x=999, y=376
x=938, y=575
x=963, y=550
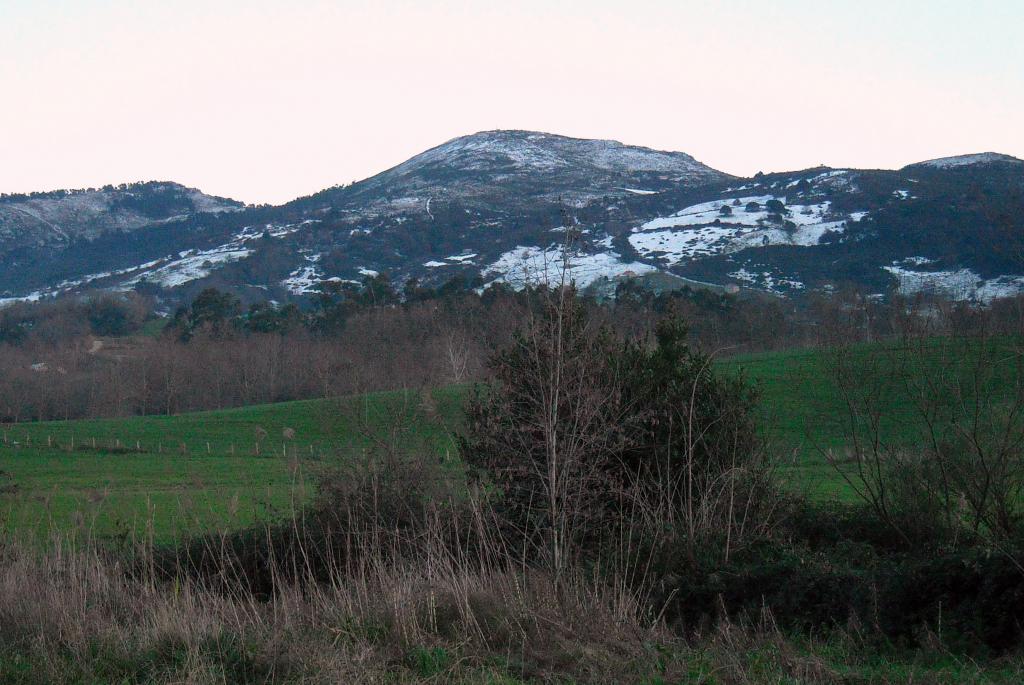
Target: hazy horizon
x=267, y=101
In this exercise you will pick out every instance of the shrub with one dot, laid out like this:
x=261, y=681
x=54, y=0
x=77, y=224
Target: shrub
x=589, y=436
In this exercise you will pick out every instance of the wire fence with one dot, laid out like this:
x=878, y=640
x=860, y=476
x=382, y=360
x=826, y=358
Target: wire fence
x=19, y=441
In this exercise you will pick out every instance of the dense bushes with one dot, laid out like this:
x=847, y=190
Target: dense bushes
x=581, y=430
x=971, y=601
x=593, y=440
x=60, y=323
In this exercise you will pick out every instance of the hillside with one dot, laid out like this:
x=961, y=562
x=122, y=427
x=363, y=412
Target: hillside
x=60, y=240
x=61, y=217
x=493, y=207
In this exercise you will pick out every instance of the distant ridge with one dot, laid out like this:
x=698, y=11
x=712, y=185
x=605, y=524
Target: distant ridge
x=968, y=160
x=497, y=207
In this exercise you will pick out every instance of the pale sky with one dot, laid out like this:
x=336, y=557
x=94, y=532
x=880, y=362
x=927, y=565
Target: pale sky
x=264, y=101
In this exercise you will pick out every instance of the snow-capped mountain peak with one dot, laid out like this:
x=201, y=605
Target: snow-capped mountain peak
x=520, y=167
x=969, y=160
x=535, y=151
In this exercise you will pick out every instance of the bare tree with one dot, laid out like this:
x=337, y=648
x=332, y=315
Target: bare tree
x=935, y=427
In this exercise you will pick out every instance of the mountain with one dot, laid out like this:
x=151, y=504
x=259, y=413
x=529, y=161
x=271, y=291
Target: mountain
x=968, y=160
x=953, y=226
x=60, y=217
x=511, y=169
x=500, y=205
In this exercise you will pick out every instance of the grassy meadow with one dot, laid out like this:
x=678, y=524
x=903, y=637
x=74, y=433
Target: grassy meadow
x=164, y=479
x=163, y=476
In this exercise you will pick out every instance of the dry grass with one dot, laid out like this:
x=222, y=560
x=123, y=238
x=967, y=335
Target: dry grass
x=387, y=579
x=75, y=616
x=397, y=575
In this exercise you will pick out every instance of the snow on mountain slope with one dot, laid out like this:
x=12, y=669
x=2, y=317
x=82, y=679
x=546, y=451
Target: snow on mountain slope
x=531, y=151
x=509, y=169
x=532, y=266
x=63, y=216
x=491, y=205
x=192, y=265
x=304, y=279
x=836, y=223
x=968, y=160
x=730, y=225
x=959, y=284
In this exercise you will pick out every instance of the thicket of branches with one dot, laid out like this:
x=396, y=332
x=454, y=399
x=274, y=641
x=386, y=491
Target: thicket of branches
x=935, y=433
x=593, y=438
x=92, y=357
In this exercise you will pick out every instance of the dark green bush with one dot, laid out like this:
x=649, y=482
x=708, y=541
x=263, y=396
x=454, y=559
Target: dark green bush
x=846, y=568
x=587, y=436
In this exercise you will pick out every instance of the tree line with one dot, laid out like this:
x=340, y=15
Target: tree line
x=112, y=355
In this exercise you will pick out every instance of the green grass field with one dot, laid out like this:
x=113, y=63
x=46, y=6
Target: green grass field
x=165, y=476
x=806, y=416
x=802, y=417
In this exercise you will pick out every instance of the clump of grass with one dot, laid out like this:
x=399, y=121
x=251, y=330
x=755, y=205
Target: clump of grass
x=76, y=616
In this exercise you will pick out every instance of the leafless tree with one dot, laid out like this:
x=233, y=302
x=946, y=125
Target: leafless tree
x=935, y=425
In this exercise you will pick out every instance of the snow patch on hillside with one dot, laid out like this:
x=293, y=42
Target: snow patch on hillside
x=192, y=267
x=305, y=279
x=967, y=160
x=707, y=229
x=766, y=280
x=960, y=284
x=31, y=297
x=454, y=260
x=708, y=212
x=532, y=266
